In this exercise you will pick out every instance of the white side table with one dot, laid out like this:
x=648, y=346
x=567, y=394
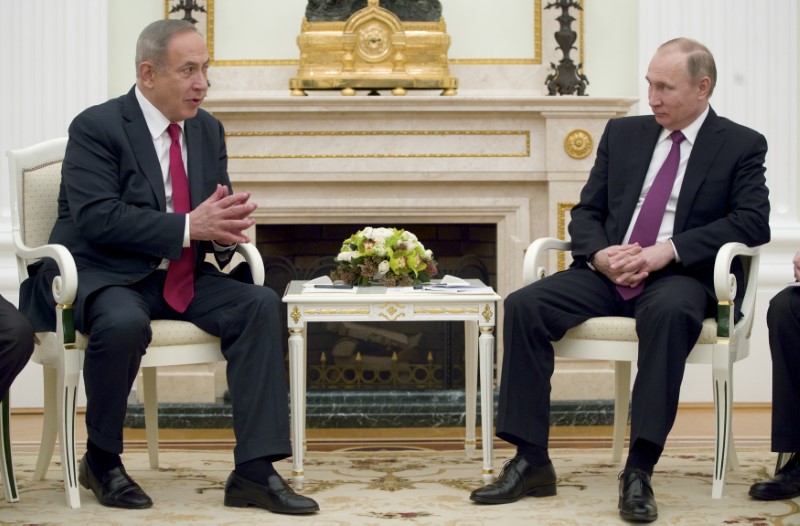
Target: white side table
x=373, y=303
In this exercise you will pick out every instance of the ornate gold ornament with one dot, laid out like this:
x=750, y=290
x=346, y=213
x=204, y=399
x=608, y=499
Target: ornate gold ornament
x=578, y=144
x=373, y=49
x=296, y=314
x=392, y=311
x=487, y=313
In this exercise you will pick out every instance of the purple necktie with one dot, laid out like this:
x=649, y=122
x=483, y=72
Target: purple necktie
x=179, y=286
x=645, y=230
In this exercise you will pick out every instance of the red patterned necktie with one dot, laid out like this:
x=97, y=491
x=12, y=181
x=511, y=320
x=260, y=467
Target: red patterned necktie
x=645, y=230
x=179, y=286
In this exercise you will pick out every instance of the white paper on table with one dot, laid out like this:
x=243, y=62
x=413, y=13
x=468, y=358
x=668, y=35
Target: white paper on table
x=455, y=285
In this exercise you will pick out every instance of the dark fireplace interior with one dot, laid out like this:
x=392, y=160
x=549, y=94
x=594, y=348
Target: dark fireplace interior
x=375, y=356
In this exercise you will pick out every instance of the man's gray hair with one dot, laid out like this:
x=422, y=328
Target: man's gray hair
x=699, y=60
x=154, y=39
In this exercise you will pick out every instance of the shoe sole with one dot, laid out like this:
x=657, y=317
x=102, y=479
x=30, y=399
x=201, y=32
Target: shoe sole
x=633, y=517
x=235, y=502
x=769, y=496
x=541, y=491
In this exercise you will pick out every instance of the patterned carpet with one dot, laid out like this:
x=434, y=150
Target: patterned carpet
x=410, y=487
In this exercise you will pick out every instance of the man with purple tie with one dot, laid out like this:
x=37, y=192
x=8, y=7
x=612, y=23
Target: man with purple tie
x=665, y=193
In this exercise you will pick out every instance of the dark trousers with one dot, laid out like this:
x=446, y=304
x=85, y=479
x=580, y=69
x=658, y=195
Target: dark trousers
x=783, y=320
x=247, y=320
x=669, y=315
x=16, y=344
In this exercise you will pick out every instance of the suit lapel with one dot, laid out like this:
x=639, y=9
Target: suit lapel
x=705, y=149
x=142, y=145
x=194, y=156
x=641, y=149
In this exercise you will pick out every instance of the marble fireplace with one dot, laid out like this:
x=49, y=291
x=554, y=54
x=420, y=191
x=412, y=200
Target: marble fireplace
x=513, y=162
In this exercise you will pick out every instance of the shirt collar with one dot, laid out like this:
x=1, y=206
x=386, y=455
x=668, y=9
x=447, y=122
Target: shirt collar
x=690, y=132
x=156, y=121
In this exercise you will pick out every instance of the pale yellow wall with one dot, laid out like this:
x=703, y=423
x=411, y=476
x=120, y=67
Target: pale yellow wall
x=611, y=51
x=506, y=32
x=125, y=21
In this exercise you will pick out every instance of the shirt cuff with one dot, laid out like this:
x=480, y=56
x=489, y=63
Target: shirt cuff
x=589, y=261
x=675, y=251
x=187, y=238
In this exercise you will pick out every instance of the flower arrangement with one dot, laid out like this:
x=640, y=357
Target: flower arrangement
x=392, y=256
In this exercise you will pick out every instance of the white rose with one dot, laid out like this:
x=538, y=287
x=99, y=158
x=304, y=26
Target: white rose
x=383, y=267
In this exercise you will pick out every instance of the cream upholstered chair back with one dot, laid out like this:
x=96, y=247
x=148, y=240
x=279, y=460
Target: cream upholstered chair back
x=721, y=343
x=39, y=195
x=35, y=176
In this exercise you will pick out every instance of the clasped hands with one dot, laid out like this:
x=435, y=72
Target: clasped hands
x=222, y=218
x=628, y=265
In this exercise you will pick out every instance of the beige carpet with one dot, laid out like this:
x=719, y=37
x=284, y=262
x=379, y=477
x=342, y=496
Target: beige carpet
x=410, y=487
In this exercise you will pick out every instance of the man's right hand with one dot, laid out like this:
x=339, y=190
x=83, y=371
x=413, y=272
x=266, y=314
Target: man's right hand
x=222, y=217
x=621, y=264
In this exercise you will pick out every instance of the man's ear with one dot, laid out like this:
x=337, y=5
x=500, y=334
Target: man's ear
x=704, y=87
x=146, y=73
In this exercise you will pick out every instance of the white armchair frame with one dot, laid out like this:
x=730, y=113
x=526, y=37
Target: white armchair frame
x=35, y=176
x=6, y=466
x=722, y=343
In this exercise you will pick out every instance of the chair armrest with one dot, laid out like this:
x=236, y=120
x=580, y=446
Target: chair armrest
x=725, y=285
x=533, y=265
x=65, y=285
x=725, y=282
x=254, y=260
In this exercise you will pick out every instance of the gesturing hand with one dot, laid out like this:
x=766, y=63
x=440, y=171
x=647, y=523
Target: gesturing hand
x=222, y=217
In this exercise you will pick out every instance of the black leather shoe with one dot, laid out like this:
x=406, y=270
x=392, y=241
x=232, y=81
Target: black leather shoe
x=636, y=500
x=518, y=478
x=276, y=496
x=115, y=488
x=784, y=485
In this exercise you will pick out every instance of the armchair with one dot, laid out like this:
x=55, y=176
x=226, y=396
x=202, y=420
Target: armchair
x=722, y=343
x=35, y=175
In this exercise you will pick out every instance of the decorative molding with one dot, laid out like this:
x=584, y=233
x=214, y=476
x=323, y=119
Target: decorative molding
x=563, y=209
x=578, y=144
x=524, y=152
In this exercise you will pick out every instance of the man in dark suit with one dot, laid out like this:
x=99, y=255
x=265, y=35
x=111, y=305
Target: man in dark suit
x=715, y=193
x=16, y=344
x=135, y=229
x=783, y=321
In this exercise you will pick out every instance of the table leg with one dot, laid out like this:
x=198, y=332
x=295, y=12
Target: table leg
x=297, y=372
x=487, y=402
x=470, y=382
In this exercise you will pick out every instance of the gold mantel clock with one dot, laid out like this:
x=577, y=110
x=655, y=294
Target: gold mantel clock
x=373, y=49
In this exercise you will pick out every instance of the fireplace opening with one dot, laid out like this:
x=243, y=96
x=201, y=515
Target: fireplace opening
x=376, y=356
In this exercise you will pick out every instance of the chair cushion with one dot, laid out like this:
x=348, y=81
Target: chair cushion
x=169, y=332
x=617, y=328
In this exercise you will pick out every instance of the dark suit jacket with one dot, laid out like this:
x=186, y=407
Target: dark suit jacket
x=723, y=198
x=112, y=205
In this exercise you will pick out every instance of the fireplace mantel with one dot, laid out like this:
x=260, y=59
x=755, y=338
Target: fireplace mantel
x=509, y=158
x=512, y=159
